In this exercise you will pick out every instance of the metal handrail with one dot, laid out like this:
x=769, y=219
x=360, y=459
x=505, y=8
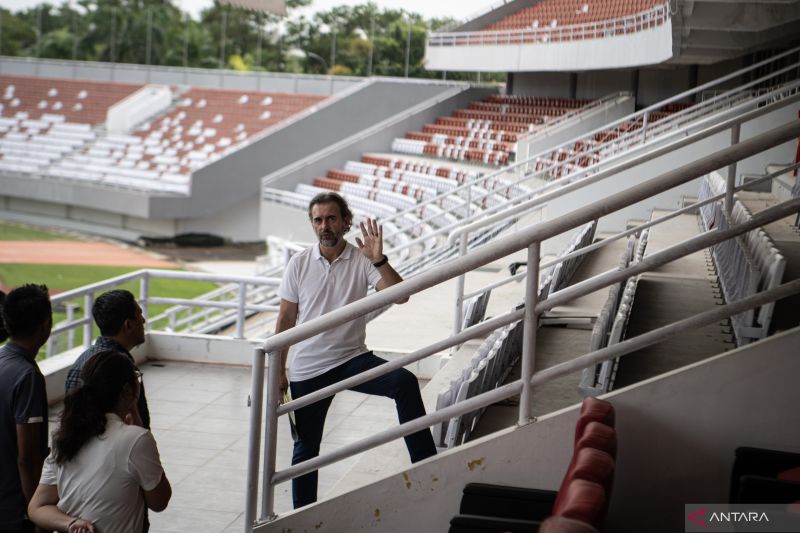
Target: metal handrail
x=656, y=16
x=529, y=237
x=144, y=276
x=632, y=231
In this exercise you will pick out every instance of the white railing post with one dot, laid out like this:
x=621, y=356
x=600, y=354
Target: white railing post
x=71, y=333
x=254, y=443
x=270, y=435
x=458, y=317
x=469, y=201
x=88, y=303
x=240, y=310
x=644, y=126
x=735, y=131
x=144, y=294
x=530, y=325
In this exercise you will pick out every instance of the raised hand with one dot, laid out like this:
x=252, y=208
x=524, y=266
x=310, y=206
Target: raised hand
x=372, y=245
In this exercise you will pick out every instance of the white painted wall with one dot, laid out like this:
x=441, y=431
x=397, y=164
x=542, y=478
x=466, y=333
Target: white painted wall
x=642, y=48
x=285, y=222
x=677, y=433
x=199, y=349
x=541, y=84
x=238, y=223
x=147, y=102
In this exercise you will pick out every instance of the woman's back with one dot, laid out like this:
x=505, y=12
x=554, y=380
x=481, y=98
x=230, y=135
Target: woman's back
x=103, y=482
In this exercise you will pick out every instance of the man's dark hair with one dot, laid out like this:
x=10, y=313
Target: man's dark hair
x=332, y=197
x=25, y=309
x=3, y=332
x=112, y=309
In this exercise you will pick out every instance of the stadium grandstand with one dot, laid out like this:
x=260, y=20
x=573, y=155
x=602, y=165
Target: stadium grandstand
x=602, y=255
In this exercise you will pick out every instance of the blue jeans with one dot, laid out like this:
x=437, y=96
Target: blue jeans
x=400, y=385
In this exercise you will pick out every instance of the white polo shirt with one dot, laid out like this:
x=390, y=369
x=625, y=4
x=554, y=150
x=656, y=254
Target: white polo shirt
x=103, y=483
x=318, y=287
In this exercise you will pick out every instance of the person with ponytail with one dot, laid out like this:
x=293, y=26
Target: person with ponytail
x=104, y=468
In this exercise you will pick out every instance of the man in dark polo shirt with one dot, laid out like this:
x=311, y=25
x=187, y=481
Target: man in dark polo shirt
x=121, y=324
x=28, y=319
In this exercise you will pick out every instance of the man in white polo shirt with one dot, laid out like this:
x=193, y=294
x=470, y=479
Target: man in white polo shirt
x=318, y=280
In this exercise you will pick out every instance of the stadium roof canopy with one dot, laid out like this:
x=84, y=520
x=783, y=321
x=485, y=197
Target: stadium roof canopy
x=277, y=7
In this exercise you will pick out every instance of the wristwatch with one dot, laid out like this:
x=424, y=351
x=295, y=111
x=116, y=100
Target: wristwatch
x=381, y=262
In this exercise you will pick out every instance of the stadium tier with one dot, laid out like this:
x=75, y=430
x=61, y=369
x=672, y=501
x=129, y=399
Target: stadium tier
x=487, y=131
x=556, y=13
x=58, y=127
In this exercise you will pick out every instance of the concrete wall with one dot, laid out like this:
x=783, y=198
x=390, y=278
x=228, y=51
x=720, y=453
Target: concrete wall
x=649, y=84
x=647, y=47
x=545, y=84
x=211, y=78
x=676, y=433
x=656, y=84
x=592, y=83
x=285, y=222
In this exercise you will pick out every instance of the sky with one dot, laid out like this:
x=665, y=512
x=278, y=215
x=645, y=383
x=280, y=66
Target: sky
x=458, y=9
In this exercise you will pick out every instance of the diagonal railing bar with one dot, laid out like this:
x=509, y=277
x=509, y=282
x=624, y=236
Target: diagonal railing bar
x=472, y=332
x=689, y=246
x=632, y=231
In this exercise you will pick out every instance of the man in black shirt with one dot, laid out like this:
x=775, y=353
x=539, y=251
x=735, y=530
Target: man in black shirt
x=28, y=318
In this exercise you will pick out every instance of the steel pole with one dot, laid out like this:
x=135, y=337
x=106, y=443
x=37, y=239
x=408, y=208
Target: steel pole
x=240, y=310
x=270, y=435
x=735, y=131
x=254, y=441
x=458, y=318
x=531, y=324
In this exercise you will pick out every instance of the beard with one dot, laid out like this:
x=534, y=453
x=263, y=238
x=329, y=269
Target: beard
x=329, y=240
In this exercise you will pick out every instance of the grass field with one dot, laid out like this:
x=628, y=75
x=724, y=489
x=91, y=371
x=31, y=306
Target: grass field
x=61, y=278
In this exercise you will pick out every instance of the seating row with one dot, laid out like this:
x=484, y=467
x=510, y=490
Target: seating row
x=78, y=101
x=745, y=265
x=612, y=321
x=581, y=502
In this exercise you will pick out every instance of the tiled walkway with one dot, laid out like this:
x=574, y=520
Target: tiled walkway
x=200, y=421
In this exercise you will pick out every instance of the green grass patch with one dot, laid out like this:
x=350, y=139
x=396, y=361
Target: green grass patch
x=15, y=232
